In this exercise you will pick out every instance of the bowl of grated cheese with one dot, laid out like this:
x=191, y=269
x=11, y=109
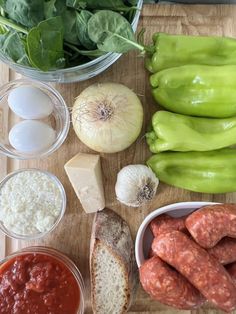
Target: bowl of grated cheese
x=32, y=203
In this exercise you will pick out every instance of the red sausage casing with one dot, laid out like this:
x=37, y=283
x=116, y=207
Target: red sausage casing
x=168, y=286
x=224, y=251
x=165, y=223
x=210, y=224
x=198, y=266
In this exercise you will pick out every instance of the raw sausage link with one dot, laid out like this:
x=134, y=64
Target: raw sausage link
x=224, y=251
x=232, y=271
x=166, y=223
x=198, y=266
x=210, y=224
x=168, y=286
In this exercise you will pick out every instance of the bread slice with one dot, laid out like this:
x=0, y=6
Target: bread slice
x=113, y=269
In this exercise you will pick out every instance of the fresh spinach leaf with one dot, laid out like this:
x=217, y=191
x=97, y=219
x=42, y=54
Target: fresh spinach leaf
x=13, y=47
x=115, y=5
x=49, y=9
x=82, y=29
x=24, y=61
x=26, y=12
x=130, y=14
x=54, y=8
x=106, y=4
x=88, y=53
x=3, y=29
x=92, y=53
x=112, y=32
x=69, y=19
x=6, y=23
x=77, y=4
x=45, y=45
x=132, y=2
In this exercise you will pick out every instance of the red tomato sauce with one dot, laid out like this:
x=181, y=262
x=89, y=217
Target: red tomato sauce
x=37, y=284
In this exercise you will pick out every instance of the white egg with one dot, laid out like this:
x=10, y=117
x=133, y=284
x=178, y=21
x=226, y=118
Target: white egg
x=29, y=102
x=31, y=136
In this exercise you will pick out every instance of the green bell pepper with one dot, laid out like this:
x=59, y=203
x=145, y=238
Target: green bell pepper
x=205, y=172
x=177, y=50
x=197, y=90
x=172, y=131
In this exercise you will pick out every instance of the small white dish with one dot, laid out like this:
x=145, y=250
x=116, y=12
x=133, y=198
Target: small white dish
x=144, y=236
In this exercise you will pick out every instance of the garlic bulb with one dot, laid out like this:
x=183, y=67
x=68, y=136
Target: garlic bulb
x=135, y=185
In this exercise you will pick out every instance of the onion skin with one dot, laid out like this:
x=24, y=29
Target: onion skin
x=107, y=117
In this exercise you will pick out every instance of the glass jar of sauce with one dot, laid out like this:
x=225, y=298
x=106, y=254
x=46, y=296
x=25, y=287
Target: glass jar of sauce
x=40, y=280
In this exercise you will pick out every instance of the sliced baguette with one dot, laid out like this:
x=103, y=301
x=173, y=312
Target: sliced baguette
x=113, y=269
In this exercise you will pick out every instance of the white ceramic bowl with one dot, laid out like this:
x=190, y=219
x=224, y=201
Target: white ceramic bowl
x=144, y=236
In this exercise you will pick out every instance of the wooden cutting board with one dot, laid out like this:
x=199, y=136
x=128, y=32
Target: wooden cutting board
x=73, y=234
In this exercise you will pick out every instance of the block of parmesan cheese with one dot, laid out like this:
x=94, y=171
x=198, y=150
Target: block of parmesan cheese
x=85, y=174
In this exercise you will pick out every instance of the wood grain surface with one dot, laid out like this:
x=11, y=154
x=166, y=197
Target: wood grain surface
x=73, y=234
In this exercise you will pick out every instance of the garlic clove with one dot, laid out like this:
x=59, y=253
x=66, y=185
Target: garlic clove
x=136, y=185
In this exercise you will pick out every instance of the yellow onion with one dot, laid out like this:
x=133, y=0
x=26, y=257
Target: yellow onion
x=107, y=117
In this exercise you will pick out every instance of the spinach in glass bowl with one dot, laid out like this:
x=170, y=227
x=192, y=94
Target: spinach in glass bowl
x=61, y=34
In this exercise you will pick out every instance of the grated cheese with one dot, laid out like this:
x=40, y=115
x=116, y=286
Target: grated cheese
x=30, y=203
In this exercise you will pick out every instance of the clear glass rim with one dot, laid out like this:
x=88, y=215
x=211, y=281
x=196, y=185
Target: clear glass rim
x=60, y=257
x=64, y=132
x=78, y=67
x=58, y=183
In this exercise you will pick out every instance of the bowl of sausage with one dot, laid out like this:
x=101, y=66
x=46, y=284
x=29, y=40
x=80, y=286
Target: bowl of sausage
x=186, y=254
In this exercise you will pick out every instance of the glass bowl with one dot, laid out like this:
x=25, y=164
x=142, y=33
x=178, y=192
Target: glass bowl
x=38, y=235
x=59, y=120
x=77, y=73
x=58, y=256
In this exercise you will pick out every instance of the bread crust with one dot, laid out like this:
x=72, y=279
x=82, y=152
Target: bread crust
x=114, y=233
